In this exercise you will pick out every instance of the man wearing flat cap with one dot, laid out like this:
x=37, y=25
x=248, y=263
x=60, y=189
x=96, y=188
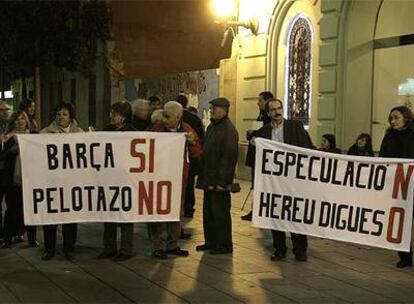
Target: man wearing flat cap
x=218, y=164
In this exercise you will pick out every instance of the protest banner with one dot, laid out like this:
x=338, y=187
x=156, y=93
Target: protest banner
x=101, y=177
x=357, y=199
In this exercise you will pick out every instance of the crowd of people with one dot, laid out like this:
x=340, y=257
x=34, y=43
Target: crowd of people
x=211, y=156
x=141, y=115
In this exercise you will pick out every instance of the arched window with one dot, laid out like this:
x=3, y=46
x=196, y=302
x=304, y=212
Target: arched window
x=299, y=70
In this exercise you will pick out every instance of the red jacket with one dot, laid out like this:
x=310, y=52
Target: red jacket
x=194, y=150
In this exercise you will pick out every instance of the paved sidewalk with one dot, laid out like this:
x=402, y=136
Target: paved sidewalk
x=336, y=272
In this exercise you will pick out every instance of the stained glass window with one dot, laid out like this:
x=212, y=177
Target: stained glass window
x=299, y=71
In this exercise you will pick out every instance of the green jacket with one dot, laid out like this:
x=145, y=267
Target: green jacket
x=219, y=158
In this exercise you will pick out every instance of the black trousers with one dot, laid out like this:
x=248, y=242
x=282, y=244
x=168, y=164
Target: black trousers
x=299, y=242
x=217, y=219
x=69, y=232
x=14, y=219
x=110, y=238
x=189, y=200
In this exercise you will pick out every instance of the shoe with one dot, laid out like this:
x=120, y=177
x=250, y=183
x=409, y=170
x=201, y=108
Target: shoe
x=247, y=217
x=203, y=247
x=220, y=250
x=34, y=244
x=185, y=236
x=278, y=255
x=403, y=264
x=121, y=257
x=159, y=254
x=106, y=255
x=301, y=256
x=47, y=256
x=18, y=239
x=69, y=255
x=178, y=252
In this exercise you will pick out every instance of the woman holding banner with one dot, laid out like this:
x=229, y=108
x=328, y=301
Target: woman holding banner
x=398, y=142
x=12, y=178
x=121, y=118
x=64, y=123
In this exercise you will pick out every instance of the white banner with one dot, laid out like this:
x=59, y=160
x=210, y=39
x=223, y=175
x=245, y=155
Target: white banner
x=355, y=199
x=101, y=177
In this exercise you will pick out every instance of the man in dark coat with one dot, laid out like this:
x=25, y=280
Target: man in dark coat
x=264, y=97
x=293, y=133
x=218, y=164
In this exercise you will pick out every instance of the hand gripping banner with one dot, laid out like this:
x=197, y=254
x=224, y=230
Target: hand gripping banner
x=356, y=199
x=101, y=177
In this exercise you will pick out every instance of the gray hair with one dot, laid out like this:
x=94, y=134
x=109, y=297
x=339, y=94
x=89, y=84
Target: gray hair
x=156, y=116
x=174, y=107
x=139, y=103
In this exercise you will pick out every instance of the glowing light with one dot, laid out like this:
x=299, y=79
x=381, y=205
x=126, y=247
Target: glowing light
x=224, y=8
x=8, y=94
x=259, y=9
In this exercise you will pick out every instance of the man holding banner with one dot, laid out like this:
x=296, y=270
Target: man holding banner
x=356, y=199
x=290, y=132
x=173, y=114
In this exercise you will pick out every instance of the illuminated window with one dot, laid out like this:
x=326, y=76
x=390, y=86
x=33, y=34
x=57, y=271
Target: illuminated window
x=299, y=70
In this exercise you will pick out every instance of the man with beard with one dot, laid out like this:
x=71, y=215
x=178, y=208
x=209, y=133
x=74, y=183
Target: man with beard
x=293, y=133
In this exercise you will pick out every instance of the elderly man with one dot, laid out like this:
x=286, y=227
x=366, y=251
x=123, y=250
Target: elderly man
x=216, y=177
x=173, y=113
x=293, y=133
x=141, y=109
x=4, y=120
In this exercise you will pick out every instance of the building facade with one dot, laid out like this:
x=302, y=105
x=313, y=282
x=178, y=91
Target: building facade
x=338, y=65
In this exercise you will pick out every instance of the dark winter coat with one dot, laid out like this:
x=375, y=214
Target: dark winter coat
x=219, y=159
x=353, y=150
x=398, y=144
x=293, y=134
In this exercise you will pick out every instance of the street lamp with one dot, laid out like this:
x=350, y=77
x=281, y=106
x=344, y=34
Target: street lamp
x=224, y=8
x=227, y=13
